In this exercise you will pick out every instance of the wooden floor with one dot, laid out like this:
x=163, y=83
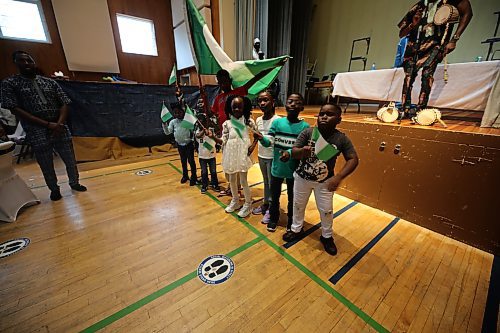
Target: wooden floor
x=122, y=256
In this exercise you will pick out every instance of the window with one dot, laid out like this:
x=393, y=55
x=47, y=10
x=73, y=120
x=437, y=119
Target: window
x=23, y=20
x=137, y=35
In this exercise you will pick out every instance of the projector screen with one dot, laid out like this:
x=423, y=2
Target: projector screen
x=182, y=47
x=86, y=35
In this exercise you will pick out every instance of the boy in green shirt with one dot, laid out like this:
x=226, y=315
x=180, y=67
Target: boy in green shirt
x=282, y=135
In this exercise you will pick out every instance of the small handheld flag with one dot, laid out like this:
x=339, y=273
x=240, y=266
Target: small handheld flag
x=189, y=119
x=165, y=114
x=173, y=75
x=323, y=150
x=208, y=143
x=238, y=126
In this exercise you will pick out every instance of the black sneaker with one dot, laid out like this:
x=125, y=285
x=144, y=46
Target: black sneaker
x=291, y=236
x=271, y=226
x=184, y=180
x=55, y=195
x=78, y=187
x=203, y=190
x=215, y=188
x=192, y=182
x=329, y=245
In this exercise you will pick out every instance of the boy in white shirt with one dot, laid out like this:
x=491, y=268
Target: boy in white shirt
x=266, y=104
x=206, y=155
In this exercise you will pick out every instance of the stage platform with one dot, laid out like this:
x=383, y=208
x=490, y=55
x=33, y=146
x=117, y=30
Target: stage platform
x=456, y=120
x=444, y=179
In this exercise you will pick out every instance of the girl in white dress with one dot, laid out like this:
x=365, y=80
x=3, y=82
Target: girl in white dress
x=236, y=150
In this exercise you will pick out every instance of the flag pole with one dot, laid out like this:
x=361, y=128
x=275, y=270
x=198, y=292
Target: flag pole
x=193, y=51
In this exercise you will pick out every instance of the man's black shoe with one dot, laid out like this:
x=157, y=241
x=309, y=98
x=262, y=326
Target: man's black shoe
x=55, y=195
x=329, y=245
x=78, y=187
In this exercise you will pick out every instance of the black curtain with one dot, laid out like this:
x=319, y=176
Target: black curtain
x=288, y=28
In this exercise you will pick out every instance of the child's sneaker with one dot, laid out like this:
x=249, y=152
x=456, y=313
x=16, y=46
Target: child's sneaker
x=266, y=218
x=272, y=226
x=203, y=190
x=257, y=211
x=184, y=180
x=245, y=210
x=215, y=188
x=233, y=205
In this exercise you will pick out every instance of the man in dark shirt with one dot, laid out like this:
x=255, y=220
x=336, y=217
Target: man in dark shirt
x=428, y=44
x=42, y=107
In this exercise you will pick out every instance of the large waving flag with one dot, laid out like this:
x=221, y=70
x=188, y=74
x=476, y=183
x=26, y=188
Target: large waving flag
x=189, y=119
x=209, y=57
x=322, y=148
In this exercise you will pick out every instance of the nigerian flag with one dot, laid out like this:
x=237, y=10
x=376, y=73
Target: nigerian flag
x=209, y=57
x=208, y=143
x=165, y=114
x=173, y=76
x=323, y=150
x=189, y=119
x=238, y=126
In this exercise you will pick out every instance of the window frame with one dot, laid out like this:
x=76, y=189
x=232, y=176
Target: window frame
x=153, y=31
x=46, y=31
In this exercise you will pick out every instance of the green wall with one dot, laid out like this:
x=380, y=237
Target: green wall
x=336, y=23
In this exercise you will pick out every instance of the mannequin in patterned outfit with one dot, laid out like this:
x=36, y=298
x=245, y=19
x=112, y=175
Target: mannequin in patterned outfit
x=427, y=44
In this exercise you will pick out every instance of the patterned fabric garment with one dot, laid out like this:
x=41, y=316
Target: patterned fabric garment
x=41, y=97
x=425, y=49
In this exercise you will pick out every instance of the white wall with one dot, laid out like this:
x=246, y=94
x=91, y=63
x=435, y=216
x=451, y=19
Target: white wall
x=337, y=22
x=227, y=27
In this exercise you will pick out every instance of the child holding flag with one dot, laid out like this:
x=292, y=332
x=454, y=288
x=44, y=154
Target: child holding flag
x=206, y=155
x=182, y=125
x=236, y=149
x=266, y=103
x=318, y=148
x=283, y=134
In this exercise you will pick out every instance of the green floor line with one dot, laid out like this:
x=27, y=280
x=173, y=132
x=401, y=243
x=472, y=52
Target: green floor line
x=148, y=299
x=326, y=286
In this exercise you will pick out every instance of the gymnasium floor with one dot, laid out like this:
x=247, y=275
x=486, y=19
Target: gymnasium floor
x=123, y=257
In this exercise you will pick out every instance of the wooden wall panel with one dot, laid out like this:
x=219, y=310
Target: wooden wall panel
x=144, y=68
x=49, y=57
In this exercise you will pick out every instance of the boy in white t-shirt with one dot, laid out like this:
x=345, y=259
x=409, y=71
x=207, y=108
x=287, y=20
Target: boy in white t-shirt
x=266, y=103
x=206, y=155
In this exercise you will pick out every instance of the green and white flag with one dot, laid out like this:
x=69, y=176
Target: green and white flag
x=173, y=76
x=323, y=150
x=189, y=119
x=209, y=57
x=165, y=114
x=238, y=126
x=208, y=143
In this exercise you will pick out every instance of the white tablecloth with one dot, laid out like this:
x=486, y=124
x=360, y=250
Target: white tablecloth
x=469, y=85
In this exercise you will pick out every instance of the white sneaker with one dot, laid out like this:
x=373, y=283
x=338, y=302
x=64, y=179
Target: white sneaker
x=245, y=210
x=6, y=145
x=233, y=205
